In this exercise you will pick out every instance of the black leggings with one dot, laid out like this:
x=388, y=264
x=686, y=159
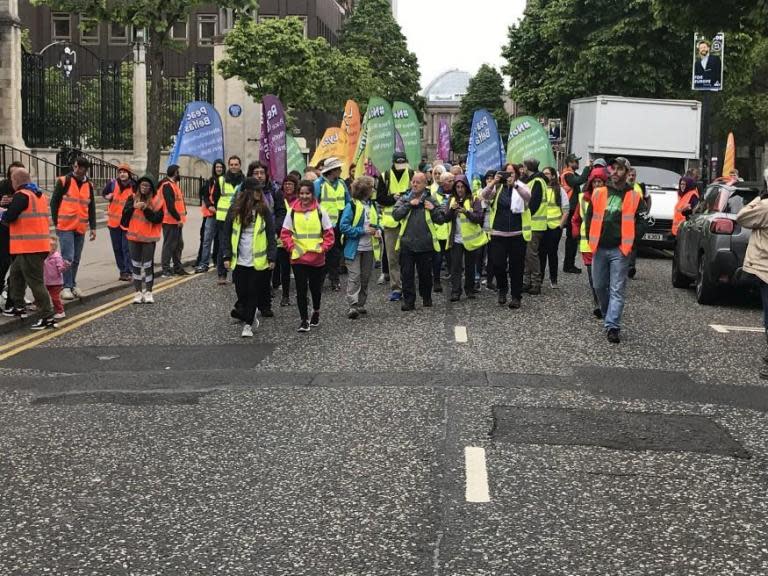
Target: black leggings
x=550, y=242
x=308, y=277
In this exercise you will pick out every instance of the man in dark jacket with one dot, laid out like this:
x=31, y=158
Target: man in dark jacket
x=173, y=225
x=572, y=181
x=6, y=196
x=417, y=240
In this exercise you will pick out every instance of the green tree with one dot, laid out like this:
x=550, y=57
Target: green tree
x=485, y=90
x=372, y=32
x=274, y=57
x=574, y=48
x=158, y=18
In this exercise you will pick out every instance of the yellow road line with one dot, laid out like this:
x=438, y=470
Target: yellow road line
x=26, y=342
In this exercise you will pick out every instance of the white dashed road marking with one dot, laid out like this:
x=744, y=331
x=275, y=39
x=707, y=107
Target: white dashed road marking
x=728, y=329
x=460, y=333
x=477, y=475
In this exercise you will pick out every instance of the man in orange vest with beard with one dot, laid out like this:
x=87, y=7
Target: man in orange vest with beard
x=73, y=210
x=611, y=220
x=28, y=219
x=173, y=223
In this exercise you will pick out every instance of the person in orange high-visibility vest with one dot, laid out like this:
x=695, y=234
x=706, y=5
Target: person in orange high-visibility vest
x=28, y=220
x=173, y=223
x=572, y=182
x=687, y=199
x=209, y=242
x=610, y=220
x=143, y=219
x=117, y=191
x=73, y=210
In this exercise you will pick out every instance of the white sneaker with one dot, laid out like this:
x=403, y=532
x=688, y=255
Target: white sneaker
x=256, y=322
x=67, y=294
x=148, y=298
x=381, y=280
x=553, y=285
x=138, y=298
x=76, y=292
x=59, y=315
x=247, y=331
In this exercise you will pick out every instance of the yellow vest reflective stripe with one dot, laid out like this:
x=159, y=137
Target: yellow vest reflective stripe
x=260, y=261
x=307, y=233
x=583, y=240
x=395, y=187
x=430, y=225
x=526, y=216
x=442, y=230
x=539, y=220
x=225, y=200
x=373, y=220
x=554, y=210
x=472, y=235
x=333, y=199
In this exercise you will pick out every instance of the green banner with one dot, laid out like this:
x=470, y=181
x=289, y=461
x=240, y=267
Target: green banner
x=529, y=139
x=362, y=151
x=380, y=133
x=296, y=161
x=409, y=127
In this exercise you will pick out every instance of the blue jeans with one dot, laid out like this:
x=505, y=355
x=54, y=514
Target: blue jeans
x=209, y=232
x=764, y=298
x=120, y=249
x=609, y=272
x=71, y=247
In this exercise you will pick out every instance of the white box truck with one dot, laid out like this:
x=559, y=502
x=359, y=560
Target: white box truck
x=661, y=138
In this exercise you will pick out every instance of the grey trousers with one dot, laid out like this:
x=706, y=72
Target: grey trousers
x=532, y=272
x=173, y=244
x=27, y=269
x=360, y=270
x=393, y=258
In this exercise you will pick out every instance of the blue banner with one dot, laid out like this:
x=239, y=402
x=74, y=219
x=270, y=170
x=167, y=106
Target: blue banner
x=484, y=150
x=200, y=135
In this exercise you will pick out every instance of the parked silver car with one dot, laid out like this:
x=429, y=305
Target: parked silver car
x=711, y=245
x=662, y=186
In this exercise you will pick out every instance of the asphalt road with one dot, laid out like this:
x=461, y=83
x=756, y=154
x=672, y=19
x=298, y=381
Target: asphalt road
x=153, y=440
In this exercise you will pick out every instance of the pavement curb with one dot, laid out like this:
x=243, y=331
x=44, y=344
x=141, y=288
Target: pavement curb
x=8, y=325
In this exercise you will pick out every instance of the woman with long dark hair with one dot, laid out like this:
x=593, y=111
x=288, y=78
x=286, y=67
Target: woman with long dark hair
x=251, y=253
x=466, y=237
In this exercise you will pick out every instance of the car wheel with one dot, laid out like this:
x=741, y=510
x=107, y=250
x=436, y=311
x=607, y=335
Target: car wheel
x=706, y=290
x=679, y=280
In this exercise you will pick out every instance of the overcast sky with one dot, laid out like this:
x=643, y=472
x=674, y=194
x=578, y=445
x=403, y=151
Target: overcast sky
x=461, y=34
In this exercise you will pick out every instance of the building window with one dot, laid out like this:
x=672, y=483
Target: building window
x=119, y=33
x=206, y=29
x=90, y=30
x=304, y=22
x=61, y=26
x=180, y=31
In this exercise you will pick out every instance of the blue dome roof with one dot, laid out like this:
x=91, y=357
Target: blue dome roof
x=450, y=87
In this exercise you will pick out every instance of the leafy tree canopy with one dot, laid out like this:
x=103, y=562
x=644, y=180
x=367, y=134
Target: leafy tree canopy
x=274, y=57
x=371, y=31
x=485, y=90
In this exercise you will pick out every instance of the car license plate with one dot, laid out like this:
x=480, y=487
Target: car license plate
x=653, y=237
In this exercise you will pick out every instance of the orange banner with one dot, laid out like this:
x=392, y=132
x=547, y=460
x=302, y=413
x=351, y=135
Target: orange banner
x=333, y=143
x=351, y=123
x=730, y=156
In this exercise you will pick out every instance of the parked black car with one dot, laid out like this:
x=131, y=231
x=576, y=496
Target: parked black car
x=711, y=245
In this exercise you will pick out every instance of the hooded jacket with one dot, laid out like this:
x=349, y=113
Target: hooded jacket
x=286, y=234
x=476, y=215
x=153, y=216
x=209, y=200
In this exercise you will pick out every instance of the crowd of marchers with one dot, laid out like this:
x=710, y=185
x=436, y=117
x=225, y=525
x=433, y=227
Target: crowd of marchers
x=419, y=228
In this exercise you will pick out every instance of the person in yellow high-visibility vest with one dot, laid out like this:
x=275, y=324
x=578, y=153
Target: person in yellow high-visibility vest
x=392, y=186
x=331, y=191
x=558, y=210
x=466, y=238
x=224, y=194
